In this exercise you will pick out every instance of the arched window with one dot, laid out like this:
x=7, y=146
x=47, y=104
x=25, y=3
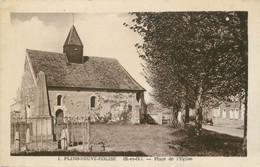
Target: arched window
x=93, y=102
x=231, y=113
x=219, y=113
x=224, y=113
x=215, y=114
x=236, y=113
x=59, y=100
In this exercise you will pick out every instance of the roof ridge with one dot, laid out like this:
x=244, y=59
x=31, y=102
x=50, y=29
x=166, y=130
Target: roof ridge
x=102, y=57
x=65, y=54
x=44, y=51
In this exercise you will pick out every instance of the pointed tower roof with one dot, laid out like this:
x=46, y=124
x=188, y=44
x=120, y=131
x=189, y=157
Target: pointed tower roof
x=73, y=38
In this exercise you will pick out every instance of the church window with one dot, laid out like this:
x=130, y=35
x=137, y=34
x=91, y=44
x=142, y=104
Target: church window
x=224, y=113
x=216, y=112
x=236, y=113
x=59, y=100
x=231, y=114
x=93, y=102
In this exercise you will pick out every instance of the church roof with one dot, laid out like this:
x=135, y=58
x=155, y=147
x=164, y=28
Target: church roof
x=94, y=73
x=73, y=38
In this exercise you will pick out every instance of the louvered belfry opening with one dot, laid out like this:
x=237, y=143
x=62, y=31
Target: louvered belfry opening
x=73, y=47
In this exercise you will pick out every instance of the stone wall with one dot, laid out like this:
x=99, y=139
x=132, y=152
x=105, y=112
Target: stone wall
x=109, y=106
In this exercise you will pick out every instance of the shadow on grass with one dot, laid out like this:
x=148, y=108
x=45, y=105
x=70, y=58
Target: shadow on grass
x=208, y=144
x=77, y=153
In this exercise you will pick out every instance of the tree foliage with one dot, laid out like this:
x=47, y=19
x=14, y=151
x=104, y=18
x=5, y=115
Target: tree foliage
x=193, y=56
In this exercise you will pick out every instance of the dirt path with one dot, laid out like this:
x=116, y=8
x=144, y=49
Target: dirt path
x=226, y=130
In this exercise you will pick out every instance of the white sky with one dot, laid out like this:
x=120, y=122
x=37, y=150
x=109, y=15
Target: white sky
x=102, y=35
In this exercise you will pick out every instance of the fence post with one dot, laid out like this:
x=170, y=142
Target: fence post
x=63, y=140
x=17, y=141
x=41, y=133
x=46, y=130
x=83, y=133
x=67, y=136
x=36, y=135
x=20, y=132
x=67, y=132
x=77, y=135
x=88, y=133
x=72, y=130
x=13, y=132
x=28, y=138
x=25, y=126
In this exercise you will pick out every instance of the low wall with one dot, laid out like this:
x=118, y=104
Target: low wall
x=228, y=122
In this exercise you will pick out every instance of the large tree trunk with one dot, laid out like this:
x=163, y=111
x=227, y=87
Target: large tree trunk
x=143, y=108
x=198, y=122
x=181, y=113
x=175, y=120
x=199, y=117
x=187, y=114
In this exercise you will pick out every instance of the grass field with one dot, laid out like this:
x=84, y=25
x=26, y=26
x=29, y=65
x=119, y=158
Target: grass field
x=161, y=140
x=149, y=139
x=158, y=140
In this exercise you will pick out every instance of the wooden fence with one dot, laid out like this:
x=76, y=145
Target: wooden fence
x=45, y=133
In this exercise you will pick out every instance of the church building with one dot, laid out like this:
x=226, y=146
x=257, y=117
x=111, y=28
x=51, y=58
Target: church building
x=78, y=85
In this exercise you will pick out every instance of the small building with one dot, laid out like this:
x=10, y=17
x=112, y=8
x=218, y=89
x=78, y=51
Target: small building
x=157, y=114
x=229, y=114
x=80, y=85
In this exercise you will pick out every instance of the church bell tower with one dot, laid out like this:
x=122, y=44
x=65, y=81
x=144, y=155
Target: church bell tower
x=73, y=47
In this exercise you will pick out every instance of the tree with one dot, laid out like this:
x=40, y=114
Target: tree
x=193, y=55
x=167, y=91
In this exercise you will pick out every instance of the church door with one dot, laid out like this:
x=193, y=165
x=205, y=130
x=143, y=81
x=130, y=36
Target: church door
x=59, y=117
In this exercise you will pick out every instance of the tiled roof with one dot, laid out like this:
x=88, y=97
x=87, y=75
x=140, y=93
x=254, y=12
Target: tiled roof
x=96, y=72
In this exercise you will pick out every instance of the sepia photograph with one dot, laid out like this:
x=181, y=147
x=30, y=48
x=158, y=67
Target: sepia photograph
x=129, y=83
x=78, y=95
